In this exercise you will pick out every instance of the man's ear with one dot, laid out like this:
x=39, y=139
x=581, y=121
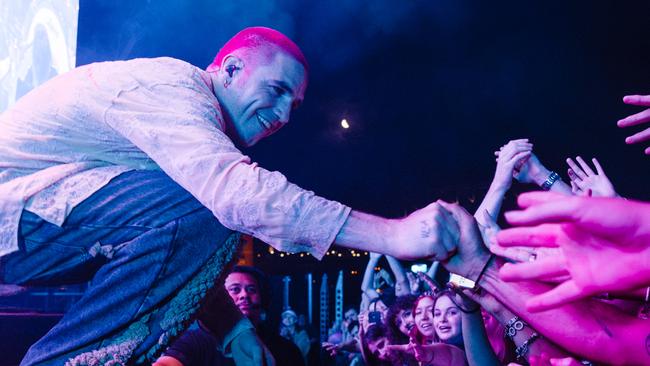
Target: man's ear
x=231, y=65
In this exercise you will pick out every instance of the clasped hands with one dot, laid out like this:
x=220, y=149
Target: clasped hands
x=445, y=232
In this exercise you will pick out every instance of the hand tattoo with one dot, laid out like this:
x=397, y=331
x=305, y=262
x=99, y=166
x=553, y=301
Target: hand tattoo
x=426, y=230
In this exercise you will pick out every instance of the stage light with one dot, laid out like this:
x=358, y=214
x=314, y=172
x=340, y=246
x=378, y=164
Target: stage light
x=344, y=123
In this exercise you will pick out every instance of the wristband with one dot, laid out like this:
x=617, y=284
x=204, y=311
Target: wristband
x=476, y=288
x=523, y=349
x=552, y=178
x=514, y=325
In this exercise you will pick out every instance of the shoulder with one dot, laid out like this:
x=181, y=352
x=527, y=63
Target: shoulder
x=146, y=72
x=191, y=345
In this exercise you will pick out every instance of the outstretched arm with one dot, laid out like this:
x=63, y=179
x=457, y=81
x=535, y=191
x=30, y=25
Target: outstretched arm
x=536, y=347
x=401, y=282
x=614, y=337
x=511, y=155
x=533, y=171
x=477, y=345
x=366, y=283
x=430, y=232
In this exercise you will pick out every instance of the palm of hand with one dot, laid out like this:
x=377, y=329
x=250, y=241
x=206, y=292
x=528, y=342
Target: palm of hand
x=598, y=185
x=588, y=259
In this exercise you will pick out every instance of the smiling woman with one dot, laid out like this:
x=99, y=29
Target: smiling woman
x=438, y=319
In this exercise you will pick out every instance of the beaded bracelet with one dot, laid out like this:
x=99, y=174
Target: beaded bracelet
x=514, y=325
x=523, y=349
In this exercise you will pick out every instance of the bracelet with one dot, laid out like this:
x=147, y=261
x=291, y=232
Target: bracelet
x=514, y=325
x=476, y=288
x=552, y=178
x=523, y=349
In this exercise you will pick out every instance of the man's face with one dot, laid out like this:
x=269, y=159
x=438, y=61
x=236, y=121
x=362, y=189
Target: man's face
x=262, y=95
x=288, y=319
x=244, y=291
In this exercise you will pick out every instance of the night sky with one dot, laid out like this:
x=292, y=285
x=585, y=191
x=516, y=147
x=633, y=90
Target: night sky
x=430, y=88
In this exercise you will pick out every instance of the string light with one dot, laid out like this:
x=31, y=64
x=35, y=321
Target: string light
x=345, y=124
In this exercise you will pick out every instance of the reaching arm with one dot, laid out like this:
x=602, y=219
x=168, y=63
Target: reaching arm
x=533, y=171
x=430, y=232
x=588, y=328
x=401, y=282
x=477, y=345
x=366, y=284
x=509, y=157
x=503, y=315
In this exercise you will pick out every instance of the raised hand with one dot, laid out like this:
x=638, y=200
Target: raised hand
x=585, y=182
x=603, y=243
x=414, y=282
x=637, y=119
x=331, y=348
x=510, y=158
x=433, y=284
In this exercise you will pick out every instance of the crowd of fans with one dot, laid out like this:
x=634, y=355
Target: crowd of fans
x=567, y=284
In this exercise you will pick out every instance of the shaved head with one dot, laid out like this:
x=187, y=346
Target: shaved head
x=264, y=41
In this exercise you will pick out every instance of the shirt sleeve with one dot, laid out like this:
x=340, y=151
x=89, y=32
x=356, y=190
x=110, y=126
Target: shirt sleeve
x=179, y=127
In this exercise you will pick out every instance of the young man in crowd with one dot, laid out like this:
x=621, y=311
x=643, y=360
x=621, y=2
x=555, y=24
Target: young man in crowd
x=248, y=289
